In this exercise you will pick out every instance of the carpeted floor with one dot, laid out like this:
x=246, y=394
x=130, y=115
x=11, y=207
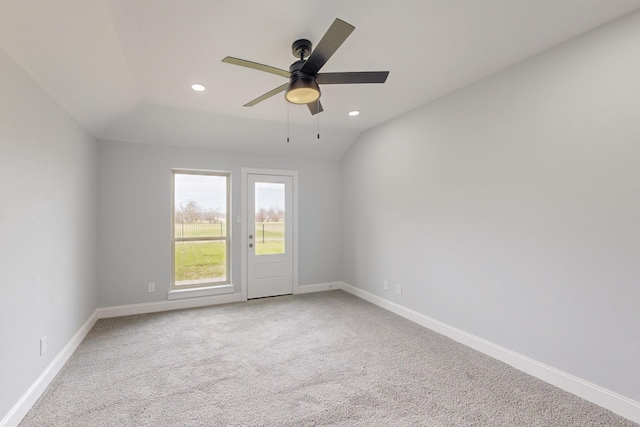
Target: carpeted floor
x=322, y=359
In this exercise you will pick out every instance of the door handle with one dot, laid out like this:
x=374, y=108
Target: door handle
x=250, y=245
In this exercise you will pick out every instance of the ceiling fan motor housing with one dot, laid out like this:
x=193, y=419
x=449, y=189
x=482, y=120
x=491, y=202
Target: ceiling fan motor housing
x=301, y=48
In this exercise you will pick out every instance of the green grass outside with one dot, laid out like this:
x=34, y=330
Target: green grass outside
x=207, y=260
x=269, y=238
x=268, y=230
x=200, y=260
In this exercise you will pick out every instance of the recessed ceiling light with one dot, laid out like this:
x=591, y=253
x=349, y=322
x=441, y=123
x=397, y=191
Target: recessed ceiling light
x=354, y=113
x=198, y=87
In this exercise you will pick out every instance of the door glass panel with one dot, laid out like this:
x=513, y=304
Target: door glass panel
x=269, y=218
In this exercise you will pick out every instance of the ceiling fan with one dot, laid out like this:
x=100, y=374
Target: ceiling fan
x=304, y=77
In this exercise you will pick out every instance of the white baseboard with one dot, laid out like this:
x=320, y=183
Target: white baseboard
x=153, y=307
x=20, y=409
x=319, y=287
x=614, y=402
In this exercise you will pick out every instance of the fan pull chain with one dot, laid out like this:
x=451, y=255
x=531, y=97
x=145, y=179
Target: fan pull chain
x=318, y=114
x=287, y=122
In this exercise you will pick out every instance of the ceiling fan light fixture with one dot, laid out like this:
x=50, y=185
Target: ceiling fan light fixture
x=304, y=74
x=302, y=91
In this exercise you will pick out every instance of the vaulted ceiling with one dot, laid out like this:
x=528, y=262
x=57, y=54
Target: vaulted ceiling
x=123, y=68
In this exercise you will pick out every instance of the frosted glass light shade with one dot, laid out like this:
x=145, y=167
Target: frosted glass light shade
x=302, y=91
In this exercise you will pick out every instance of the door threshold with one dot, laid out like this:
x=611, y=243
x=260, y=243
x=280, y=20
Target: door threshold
x=269, y=296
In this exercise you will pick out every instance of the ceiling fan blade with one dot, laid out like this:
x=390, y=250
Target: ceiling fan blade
x=315, y=107
x=256, y=66
x=267, y=95
x=330, y=42
x=352, y=77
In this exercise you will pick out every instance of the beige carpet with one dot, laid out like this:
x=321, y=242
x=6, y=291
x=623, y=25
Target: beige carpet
x=324, y=359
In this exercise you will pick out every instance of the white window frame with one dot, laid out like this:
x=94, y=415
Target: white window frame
x=208, y=288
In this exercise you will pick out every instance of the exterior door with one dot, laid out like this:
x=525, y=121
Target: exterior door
x=269, y=235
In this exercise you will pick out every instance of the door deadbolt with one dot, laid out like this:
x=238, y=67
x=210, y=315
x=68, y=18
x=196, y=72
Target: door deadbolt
x=250, y=236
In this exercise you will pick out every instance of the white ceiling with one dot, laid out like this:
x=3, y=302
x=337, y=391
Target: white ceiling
x=123, y=68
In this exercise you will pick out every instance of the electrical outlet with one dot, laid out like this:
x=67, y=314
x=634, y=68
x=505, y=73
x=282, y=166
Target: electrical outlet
x=386, y=285
x=152, y=287
x=399, y=289
x=43, y=345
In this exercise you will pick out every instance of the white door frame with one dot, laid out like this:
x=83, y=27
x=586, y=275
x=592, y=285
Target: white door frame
x=244, y=234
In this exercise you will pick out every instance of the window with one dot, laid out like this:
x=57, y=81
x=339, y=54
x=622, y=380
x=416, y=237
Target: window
x=200, y=235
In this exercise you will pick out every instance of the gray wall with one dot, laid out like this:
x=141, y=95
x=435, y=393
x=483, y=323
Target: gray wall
x=48, y=229
x=135, y=216
x=511, y=208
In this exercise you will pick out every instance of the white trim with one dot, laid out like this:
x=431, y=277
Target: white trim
x=294, y=174
x=319, y=287
x=244, y=233
x=614, y=402
x=200, y=292
x=20, y=409
x=154, y=307
x=244, y=172
x=29, y=398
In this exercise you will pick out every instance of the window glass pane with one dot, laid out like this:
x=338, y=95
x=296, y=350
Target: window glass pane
x=200, y=228
x=200, y=262
x=269, y=217
x=200, y=205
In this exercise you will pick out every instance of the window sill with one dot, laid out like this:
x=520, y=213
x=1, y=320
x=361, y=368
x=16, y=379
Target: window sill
x=200, y=292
